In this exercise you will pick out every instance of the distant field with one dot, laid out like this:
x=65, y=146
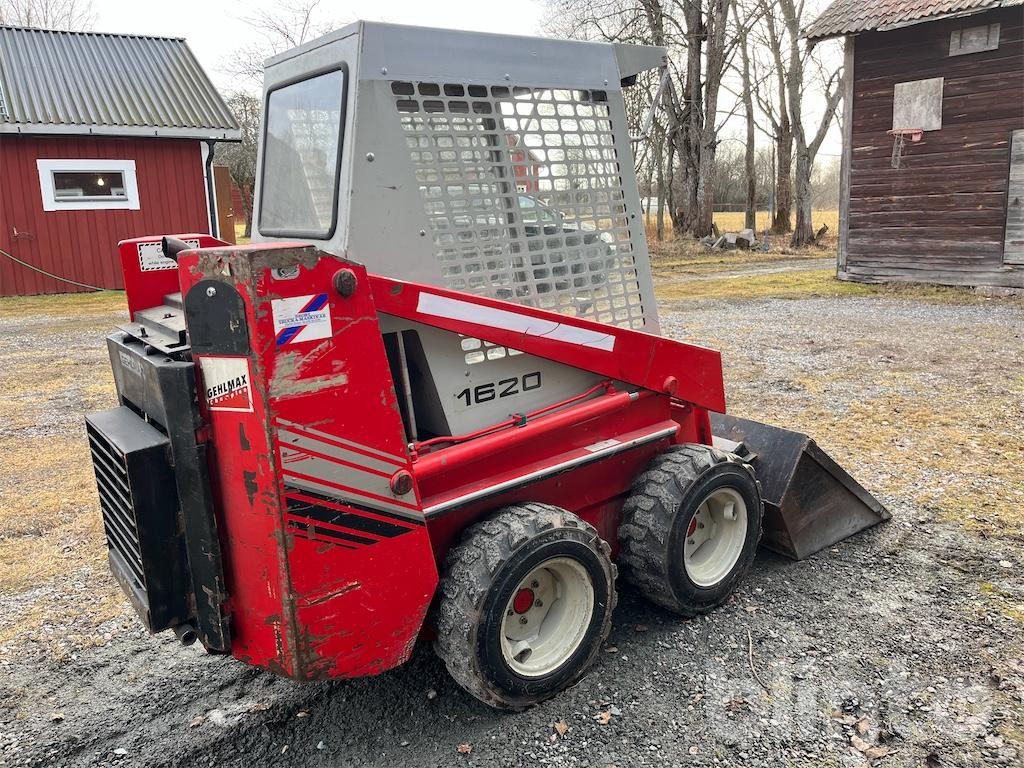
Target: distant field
x=727, y=221
x=731, y=221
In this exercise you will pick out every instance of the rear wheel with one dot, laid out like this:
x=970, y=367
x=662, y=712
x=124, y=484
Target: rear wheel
x=526, y=602
x=690, y=528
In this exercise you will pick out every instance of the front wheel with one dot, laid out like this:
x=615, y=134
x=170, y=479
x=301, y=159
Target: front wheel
x=526, y=602
x=690, y=528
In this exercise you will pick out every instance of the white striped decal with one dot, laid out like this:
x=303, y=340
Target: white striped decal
x=456, y=309
x=341, y=469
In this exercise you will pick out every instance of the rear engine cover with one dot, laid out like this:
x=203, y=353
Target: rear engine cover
x=139, y=501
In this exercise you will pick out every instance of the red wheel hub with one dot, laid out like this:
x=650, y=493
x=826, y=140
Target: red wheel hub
x=692, y=528
x=523, y=601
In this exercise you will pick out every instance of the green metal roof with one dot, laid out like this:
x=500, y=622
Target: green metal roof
x=101, y=84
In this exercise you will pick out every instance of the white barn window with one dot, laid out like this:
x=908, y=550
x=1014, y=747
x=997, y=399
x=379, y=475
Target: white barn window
x=75, y=185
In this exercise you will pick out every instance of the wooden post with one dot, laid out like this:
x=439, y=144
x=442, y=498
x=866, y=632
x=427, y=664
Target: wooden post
x=844, y=173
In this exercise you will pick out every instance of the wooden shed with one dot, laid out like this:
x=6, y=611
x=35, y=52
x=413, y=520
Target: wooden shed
x=933, y=140
x=102, y=137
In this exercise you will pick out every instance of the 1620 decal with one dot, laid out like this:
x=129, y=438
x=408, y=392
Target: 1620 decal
x=493, y=390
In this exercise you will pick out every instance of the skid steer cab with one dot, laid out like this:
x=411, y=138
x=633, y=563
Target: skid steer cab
x=430, y=398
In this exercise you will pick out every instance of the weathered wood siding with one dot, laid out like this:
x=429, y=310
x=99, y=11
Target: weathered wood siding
x=942, y=216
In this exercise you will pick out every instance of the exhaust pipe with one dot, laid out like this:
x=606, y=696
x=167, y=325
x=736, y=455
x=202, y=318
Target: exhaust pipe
x=172, y=246
x=185, y=633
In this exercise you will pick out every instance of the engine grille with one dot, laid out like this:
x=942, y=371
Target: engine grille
x=139, y=501
x=116, y=503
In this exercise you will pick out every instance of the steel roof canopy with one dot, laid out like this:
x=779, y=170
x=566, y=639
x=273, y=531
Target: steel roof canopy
x=84, y=83
x=395, y=51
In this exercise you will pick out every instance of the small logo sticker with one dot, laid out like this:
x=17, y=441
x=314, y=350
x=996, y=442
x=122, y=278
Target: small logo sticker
x=301, y=318
x=226, y=383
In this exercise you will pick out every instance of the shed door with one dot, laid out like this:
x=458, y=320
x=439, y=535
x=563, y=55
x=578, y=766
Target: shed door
x=1013, y=249
x=225, y=209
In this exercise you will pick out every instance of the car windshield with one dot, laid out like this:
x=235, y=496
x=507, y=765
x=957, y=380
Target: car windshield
x=535, y=212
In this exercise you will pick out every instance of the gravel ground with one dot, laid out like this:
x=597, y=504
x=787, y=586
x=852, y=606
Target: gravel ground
x=905, y=644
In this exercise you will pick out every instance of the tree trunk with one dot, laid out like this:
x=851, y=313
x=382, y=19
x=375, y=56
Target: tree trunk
x=670, y=188
x=703, y=221
x=803, y=233
x=783, y=221
x=659, y=151
x=247, y=195
x=695, y=30
x=750, y=146
x=750, y=207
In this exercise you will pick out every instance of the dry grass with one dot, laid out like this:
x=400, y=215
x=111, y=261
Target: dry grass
x=54, y=584
x=950, y=446
x=795, y=284
x=65, y=305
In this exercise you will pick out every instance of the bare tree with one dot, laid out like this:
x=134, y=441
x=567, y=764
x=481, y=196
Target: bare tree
x=797, y=69
x=75, y=15
x=747, y=87
x=701, y=41
x=774, y=104
x=806, y=151
x=240, y=158
x=285, y=26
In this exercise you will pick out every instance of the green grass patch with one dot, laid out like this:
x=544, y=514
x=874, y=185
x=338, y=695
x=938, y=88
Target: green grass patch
x=806, y=283
x=778, y=285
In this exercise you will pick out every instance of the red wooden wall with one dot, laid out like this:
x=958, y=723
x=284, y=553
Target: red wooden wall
x=941, y=217
x=82, y=245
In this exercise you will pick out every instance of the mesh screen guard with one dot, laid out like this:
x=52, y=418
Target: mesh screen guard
x=523, y=193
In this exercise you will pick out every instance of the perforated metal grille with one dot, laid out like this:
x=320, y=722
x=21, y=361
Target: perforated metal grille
x=523, y=193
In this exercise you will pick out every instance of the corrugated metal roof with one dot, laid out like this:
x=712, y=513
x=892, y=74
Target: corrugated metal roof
x=848, y=16
x=89, y=83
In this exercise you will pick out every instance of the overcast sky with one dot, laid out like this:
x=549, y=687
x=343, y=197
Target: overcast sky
x=215, y=28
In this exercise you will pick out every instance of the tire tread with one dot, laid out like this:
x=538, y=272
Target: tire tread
x=468, y=572
x=647, y=518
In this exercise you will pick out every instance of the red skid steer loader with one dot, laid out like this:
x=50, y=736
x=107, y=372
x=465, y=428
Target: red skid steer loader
x=430, y=398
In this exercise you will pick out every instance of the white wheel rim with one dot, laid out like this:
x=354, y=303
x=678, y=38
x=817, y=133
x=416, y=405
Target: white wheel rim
x=539, y=639
x=715, y=537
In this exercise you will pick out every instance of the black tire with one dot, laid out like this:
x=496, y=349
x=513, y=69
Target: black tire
x=658, y=514
x=480, y=577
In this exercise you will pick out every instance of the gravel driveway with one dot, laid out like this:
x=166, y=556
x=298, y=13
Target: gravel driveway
x=901, y=647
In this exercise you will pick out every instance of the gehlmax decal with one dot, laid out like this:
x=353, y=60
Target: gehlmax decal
x=226, y=383
x=301, y=318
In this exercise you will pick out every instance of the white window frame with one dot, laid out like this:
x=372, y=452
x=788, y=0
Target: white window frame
x=51, y=202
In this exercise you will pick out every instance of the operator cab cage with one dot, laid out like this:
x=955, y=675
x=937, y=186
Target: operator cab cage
x=488, y=164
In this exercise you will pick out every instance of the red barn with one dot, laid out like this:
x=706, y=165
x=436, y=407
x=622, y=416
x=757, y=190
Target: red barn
x=102, y=137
